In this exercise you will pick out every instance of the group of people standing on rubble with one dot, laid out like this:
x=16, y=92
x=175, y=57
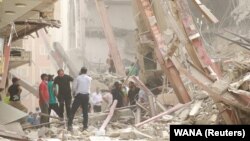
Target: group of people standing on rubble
x=59, y=89
x=55, y=94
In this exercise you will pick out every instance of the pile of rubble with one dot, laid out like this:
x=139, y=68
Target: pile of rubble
x=124, y=123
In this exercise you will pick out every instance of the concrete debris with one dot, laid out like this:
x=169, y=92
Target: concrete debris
x=121, y=125
x=42, y=132
x=195, y=108
x=10, y=114
x=202, y=95
x=99, y=138
x=184, y=114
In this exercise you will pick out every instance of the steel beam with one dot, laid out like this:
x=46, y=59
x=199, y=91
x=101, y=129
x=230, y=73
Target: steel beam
x=6, y=66
x=166, y=64
x=101, y=8
x=195, y=40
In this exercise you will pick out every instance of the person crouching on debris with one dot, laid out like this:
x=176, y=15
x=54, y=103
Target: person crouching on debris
x=117, y=94
x=133, y=93
x=44, y=98
x=82, y=90
x=53, y=105
x=14, y=91
x=97, y=100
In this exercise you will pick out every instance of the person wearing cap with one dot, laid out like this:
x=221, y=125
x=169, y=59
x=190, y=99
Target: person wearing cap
x=81, y=89
x=44, y=98
x=53, y=105
x=64, y=92
x=14, y=91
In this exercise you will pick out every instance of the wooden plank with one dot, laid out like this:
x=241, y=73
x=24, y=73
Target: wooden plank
x=5, y=66
x=142, y=107
x=161, y=106
x=206, y=11
x=43, y=124
x=138, y=115
x=151, y=105
x=106, y=121
x=169, y=111
x=131, y=106
x=101, y=8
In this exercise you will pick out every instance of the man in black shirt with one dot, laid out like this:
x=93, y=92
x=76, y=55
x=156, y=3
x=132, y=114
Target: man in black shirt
x=64, y=93
x=14, y=91
x=117, y=94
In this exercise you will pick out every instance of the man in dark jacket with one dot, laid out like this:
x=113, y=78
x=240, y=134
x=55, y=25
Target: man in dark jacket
x=64, y=92
x=117, y=94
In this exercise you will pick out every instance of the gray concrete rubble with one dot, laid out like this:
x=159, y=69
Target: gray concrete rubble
x=121, y=126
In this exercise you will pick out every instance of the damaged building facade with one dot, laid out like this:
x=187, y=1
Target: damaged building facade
x=192, y=60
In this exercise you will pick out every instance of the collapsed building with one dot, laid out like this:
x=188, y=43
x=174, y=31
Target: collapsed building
x=193, y=67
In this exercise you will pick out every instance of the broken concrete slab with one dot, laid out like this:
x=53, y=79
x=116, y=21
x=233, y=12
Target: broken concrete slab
x=167, y=118
x=184, y=114
x=195, y=109
x=213, y=118
x=10, y=114
x=99, y=138
x=42, y=132
x=124, y=112
x=12, y=135
x=201, y=95
x=95, y=118
x=114, y=134
x=168, y=99
x=126, y=134
x=32, y=135
x=15, y=127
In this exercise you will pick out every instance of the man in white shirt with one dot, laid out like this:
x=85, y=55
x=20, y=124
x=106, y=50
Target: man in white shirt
x=97, y=100
x=81, y=89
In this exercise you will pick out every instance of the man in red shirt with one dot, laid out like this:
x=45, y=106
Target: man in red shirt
x=44, y=97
